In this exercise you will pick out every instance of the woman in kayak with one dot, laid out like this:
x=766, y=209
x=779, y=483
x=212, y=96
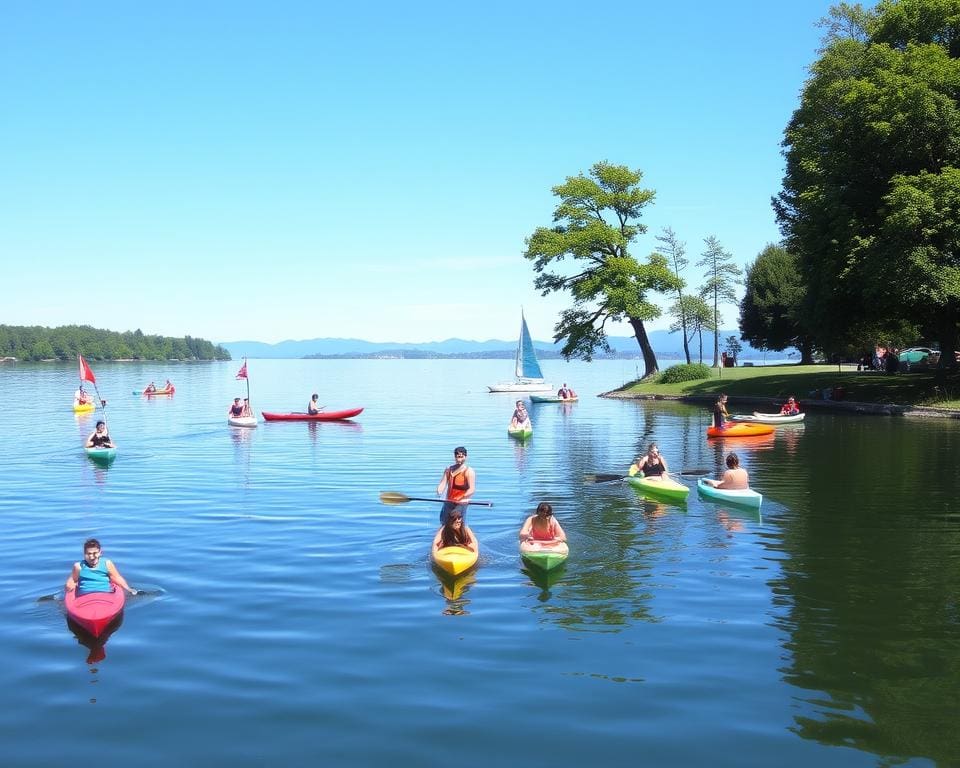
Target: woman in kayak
x=247, y=411
x=565, y=393
x=312, y=408
x=720, y=415
x=790, y=408
x=520, y=419
x=455, y=533
x=458, y=483
x=99, y=437
x=652, y=464
x=735, y=478
x=542, y=526
x=235, y=410
x=94, y=574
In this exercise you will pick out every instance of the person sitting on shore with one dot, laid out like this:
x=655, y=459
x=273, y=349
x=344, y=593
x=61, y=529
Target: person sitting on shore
x=790, y=408
x=455, y=533
x=720, y=415
x=99, y=437
x=542, y=526
x=312, y=407
x=652, y=464
x=735, y=478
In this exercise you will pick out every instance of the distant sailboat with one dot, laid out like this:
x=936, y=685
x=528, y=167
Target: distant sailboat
x=529, y=377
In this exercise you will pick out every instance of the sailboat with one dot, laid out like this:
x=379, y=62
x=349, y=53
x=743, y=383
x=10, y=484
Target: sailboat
x=248, y=419
x=529, y=377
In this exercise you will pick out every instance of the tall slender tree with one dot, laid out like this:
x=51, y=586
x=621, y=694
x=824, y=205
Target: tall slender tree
x=722, y=275
x=594, y=223
x=675, y=253
x=699, y=319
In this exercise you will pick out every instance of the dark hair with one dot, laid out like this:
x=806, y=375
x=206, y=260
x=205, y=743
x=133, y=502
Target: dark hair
x=733, y=461
x=236, y=399
x=453, y=537
x=460, y=449
x=314, y=396
x=91, y=544
x=544, y=508
x=101, y=422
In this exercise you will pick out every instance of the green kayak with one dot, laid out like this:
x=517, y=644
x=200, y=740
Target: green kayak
x=102, y=455
x=520, y=434
x=543, y=554
x=661, y=488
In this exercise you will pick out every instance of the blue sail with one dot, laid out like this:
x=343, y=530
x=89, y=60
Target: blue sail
x=528, y=367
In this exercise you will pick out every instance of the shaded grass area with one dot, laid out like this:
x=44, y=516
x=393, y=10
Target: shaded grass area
x=804, y=381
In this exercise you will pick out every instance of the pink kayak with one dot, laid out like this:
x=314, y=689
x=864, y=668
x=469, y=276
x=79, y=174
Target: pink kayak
x=322, y=416
x=94, y=611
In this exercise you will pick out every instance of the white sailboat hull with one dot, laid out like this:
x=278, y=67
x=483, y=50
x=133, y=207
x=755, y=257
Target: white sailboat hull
x=521, y=386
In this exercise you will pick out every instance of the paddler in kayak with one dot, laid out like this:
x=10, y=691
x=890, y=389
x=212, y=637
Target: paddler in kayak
x=542, y=526
x=734, y=479
x=520, y=419
x=790, y=408
x=99, y=437
x=81, y=397
x=455, y=533
x=313, y=408
x=652, y=464
x=235, y=410
x=247, y=411
x=94, y=574
x=720, y=415
x=458, y=483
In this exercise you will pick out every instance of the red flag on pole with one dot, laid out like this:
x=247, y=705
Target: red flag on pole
x=242, y=373
x=85, y=373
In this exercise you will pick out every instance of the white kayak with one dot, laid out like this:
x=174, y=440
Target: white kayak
x=746, y=497
x=242, y=421
x=770, y=418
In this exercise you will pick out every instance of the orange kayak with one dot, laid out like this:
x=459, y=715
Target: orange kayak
x=740, y=429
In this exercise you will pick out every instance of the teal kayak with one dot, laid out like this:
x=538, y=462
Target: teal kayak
x=101, y=454
x=552, y=399
x=745, y=498
x=664, y=488
x=544, y=554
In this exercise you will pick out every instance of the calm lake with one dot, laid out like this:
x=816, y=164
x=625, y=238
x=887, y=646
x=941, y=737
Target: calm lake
x=297, y=621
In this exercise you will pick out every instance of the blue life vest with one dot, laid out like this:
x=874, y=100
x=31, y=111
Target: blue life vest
x=93, y=579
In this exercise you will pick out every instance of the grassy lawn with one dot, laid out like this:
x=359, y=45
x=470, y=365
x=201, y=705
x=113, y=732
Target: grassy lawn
x=781, y=381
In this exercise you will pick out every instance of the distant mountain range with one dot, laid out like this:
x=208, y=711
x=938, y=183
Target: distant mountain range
x=668, y=346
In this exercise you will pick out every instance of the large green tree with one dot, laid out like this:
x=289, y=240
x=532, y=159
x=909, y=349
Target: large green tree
x=722, y=275
x=771, y=310
x=594, y=223
x=868, y=201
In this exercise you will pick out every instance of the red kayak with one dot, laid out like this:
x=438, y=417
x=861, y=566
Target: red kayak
x=94, y=611
x=322, y=416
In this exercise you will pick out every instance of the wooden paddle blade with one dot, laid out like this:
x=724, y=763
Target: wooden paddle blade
x=394, y=497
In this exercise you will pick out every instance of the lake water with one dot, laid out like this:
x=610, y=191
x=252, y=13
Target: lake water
x=298, y=620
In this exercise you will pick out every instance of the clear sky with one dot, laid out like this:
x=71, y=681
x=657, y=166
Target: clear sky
x=291, y=170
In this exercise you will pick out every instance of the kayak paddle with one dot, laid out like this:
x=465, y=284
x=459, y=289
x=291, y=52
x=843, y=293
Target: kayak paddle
x=609, y=478
x=395, y=497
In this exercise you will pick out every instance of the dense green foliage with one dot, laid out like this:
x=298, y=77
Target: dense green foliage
x=771, y=310
x=870, y=196
x=611, y=284
x=684, y=372
x=66, y=342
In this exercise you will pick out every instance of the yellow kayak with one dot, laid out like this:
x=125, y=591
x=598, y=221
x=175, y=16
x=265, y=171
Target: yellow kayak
x=455, y=560
x=84, y=408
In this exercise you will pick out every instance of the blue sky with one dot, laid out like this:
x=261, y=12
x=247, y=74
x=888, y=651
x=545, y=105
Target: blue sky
x=289, y=170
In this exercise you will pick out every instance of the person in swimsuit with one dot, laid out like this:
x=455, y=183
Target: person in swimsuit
x=790, y=408
x=458, y=483
x=81, y=397
x=720, y=415
x=520, y=419
x=542, y=526
x=652, y=464
x=247, y=410
x=235, y=410
x=312, y=407
x=455, y=533
x=735, y=478
x=99, y=437
x=94, y=574
x=150, y=389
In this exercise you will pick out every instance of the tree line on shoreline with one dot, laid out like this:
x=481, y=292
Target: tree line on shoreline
x=869, y=212
x=31, y=343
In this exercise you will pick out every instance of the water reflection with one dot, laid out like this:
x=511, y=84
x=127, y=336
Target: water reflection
x=454, y=590
x=96, y=646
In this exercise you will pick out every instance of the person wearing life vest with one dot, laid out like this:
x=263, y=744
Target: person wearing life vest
x=790, y=408
x=651, y=464
x=235, y=410
x=458, y=483
x=93, y=574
